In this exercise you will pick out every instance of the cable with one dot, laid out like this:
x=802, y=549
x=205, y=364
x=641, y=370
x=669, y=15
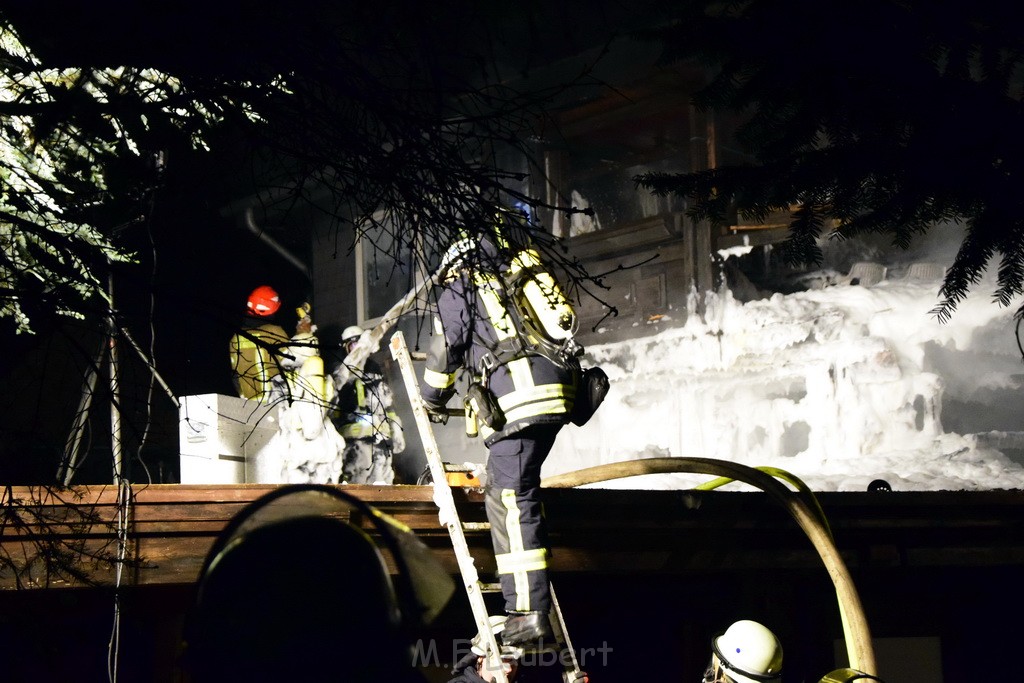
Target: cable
x=1016, y=333
x=148, y=403
x=124, y=496
x=124, y=487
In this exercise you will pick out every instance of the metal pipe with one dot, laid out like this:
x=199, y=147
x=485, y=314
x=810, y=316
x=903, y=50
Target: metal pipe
x=70, y=462
x=250, y=222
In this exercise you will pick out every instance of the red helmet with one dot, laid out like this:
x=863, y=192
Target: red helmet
x=264, y=301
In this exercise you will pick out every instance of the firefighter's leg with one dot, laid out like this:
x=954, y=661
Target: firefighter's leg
x=516, y=516
x=358, y=460
x=381, y=471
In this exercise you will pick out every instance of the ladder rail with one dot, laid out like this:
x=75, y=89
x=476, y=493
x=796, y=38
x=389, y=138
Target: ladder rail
x=557, y=609
x=446, y=504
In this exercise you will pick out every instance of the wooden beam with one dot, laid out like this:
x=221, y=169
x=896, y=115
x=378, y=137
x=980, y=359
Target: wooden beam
x=607, y=531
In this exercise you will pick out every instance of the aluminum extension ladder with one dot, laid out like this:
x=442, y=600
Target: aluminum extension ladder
x=475, y=588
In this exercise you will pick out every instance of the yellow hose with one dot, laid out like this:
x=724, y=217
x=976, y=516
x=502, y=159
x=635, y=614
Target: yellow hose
x=855, y=625
x=788, y=477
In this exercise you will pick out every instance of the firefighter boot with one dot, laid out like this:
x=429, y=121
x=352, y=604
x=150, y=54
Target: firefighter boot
x=530, y=631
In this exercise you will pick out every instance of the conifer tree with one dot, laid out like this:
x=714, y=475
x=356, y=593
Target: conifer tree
x=395, y=118
x=866, y=116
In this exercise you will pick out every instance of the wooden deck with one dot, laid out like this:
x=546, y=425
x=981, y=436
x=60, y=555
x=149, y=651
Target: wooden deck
x=170, y=529
x=932, y=569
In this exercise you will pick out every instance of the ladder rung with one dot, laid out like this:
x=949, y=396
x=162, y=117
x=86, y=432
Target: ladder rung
x=490, y=587
x=418, y=355
x=476, y=526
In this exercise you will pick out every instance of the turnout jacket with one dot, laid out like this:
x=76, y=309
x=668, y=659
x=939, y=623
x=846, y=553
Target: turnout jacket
x=471, y=324
x=364, y=408
x=256, y=357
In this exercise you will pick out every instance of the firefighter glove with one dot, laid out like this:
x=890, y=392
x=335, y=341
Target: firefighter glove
x=436, y=414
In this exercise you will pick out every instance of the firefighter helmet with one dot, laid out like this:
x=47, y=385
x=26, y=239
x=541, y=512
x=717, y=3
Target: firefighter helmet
x=749, y=653
x=264, y=301
x=497, y=623
x=351, y=333
x=260, y=599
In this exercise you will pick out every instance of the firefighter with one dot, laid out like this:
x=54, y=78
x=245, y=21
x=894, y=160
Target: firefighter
x=747, y=652
x=255, y=348
x=522, y=402
x=364, y=414
x=307, y=448
x=474, y=667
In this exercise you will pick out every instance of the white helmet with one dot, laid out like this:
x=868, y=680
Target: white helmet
x=749, y=653
x=351, y=332
x=497, y=623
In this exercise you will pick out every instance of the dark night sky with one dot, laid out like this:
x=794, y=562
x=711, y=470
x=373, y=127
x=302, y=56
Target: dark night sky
x=175, y=35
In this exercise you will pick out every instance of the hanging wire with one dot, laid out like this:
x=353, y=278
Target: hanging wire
x=151, y=356
x=124, y=497
x=124, y=487
x=1016, y=333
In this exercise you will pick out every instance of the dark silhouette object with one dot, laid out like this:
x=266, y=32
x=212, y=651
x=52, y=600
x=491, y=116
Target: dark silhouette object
x=879, y=485
x=293, y=590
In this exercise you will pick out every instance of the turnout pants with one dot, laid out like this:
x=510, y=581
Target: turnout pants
x=518, y=530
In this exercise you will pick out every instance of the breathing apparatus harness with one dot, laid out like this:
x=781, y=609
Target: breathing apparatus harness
x=530, y=315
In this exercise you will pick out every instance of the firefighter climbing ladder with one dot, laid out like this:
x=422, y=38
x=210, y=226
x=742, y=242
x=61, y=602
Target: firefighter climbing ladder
x=456, y=529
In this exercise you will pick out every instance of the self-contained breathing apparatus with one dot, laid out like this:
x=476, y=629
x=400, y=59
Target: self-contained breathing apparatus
x=543, y=322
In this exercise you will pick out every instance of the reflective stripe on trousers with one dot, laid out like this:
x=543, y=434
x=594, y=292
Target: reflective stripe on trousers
x=518, y=530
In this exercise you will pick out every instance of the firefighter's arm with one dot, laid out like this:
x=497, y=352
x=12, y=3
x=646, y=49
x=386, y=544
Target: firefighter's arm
x=235, y=355
x=305, y=323
x=397, y=432
x=438, y=384
x=447, y=350
x=394, y=422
